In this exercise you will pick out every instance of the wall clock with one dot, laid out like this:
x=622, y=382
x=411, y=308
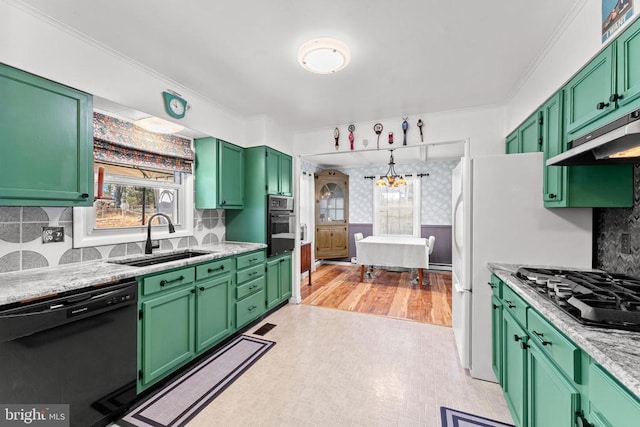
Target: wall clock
x=176, y=107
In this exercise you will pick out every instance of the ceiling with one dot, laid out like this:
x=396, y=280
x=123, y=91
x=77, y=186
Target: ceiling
x=408, y=57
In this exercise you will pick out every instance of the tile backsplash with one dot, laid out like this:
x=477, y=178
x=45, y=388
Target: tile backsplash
x=609, y=226
x=21, y=246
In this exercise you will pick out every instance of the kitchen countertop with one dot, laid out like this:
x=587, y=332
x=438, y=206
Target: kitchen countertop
x=42, y=282
x=615, y=350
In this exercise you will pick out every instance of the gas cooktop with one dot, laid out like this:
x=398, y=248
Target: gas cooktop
x=594, y=298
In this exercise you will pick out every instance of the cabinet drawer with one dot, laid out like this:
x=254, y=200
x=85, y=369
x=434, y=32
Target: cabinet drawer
x=555, y=345
x=496, y=286
x=159, y=282
x=515, y=305
x=250, y=287
x=214, y=268
x=249, y=274
x=248, y=260
x=249, y=308
x=609, y=403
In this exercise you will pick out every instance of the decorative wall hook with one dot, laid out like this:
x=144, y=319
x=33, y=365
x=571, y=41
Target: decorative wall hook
x=336, y=136
x=405, y=126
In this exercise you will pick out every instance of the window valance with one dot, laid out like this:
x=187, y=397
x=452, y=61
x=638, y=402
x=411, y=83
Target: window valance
x=118, y=141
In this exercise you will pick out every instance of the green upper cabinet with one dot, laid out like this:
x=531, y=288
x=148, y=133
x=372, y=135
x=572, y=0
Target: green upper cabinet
x=219, y=177
x=46, y=138
x=526, y=138
x=512, y=145
x=554, y=177
x=529, y=134
x=579, y=186
x=628, y=68
x=587, y=95
x=278, y=173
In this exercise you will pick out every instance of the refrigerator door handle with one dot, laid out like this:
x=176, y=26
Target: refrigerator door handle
x=459, y=289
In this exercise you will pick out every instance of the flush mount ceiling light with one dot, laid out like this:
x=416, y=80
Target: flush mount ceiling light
x=157, y=125
x=324, y=55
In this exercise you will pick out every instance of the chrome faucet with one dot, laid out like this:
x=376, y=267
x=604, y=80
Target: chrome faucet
x=148, y=247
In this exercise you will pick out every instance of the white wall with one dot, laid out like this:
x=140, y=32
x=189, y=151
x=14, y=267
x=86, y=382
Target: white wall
x=262, y=130
x=484, y=126
x=577, y=41
x=33, y=43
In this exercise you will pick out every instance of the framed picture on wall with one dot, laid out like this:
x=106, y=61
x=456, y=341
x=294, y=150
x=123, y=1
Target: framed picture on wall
x=614, y=14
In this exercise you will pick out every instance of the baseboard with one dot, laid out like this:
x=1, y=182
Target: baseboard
x=434, y=267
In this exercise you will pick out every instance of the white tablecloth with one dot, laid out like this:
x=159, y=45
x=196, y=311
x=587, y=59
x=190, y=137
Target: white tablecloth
x=393, y=251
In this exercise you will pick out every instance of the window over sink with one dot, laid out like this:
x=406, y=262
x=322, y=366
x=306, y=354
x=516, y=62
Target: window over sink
x=136, y=174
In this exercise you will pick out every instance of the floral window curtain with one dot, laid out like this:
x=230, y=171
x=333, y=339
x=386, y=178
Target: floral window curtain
x=117, y=141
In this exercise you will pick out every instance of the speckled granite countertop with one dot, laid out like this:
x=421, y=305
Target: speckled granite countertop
x=29, y=284
x=616, y=351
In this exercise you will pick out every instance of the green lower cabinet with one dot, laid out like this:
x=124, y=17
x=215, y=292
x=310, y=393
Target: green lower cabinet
x=278, y=280
x=213, y=311
x=167, y=329
x=552, y=399
x=250, y=308
x=514, y=367
x=610, y=405
x=496, y=341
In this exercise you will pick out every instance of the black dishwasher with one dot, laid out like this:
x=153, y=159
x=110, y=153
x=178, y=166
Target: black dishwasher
x=77, y=349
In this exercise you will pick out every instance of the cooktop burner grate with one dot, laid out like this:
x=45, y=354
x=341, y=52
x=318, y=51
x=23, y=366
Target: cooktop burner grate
x=594, y=298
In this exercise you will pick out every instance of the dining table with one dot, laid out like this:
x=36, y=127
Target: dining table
x=393, y=251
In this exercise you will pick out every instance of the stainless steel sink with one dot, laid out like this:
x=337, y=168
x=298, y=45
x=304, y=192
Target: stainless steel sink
x=159, y=259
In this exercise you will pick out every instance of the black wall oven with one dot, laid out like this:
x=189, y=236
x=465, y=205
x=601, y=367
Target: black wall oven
x=281, y=225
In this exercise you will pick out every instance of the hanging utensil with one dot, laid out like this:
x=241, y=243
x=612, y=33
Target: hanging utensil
x=336, y=136
x=351, y=129
x=420, y=124
x=405, y=126
x=377, y=128
x=390, y=137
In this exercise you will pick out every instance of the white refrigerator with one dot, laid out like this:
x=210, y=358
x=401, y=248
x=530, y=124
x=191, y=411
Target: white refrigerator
x=498, y=216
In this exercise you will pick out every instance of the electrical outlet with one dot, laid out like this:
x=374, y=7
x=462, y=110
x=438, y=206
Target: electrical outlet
x=52, y=234
x=625, y=244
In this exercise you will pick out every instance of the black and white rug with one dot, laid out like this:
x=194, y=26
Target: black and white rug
x=455, y=418
x=182, y=399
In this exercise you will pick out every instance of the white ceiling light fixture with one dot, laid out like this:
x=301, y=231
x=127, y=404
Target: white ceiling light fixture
x=324, y=55
x=158, y=125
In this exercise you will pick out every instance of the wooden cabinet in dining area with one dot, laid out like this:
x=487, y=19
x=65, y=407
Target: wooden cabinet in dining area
x=332, y=214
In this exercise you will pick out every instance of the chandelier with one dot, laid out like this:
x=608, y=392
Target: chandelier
x=391, y=178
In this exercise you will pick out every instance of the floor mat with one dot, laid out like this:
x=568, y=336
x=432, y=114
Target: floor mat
x=182, y=399
x=455, y=418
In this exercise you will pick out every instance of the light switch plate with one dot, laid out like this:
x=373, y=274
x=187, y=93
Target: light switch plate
x=52, y=234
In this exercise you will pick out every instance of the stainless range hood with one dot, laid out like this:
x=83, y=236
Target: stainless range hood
x=617, y=142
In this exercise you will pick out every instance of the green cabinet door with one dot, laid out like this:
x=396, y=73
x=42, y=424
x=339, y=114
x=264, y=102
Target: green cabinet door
x=553, y=400
x=529, y=136
x=286, y=183
x=278, y=173
x=46, y=139
x=167, y=331
x=231, y=175
x=628, y=68
x=587, y=95
x=514, y=367
x=219, y=174
x=272, y=160
x=213, y=311
x=512, y=143
x=273, y=283
x=285, y=277
x=278, y=280
x=496, y=337
x=554, y=177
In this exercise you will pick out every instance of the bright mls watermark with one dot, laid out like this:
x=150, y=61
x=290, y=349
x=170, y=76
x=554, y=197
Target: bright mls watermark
x=34, y=415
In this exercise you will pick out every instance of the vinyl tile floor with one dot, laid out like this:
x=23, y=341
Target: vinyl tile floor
x=338, y=368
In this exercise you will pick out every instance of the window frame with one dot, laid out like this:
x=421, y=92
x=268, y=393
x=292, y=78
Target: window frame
x=85, y=235
x=416, y=222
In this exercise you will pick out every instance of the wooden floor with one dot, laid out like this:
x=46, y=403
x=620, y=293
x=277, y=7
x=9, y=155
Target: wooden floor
x=388, y=294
